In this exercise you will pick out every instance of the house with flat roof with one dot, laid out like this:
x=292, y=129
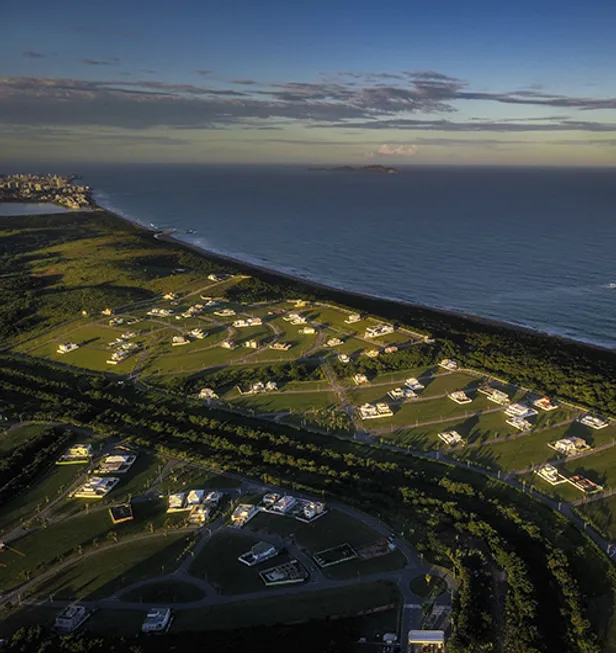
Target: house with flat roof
x=519, y=423
x=353, y=318
x=545, y=403
x=116, y=463
x=520, y=410
x=170, y=296
x=374, y=411
x=76, y=454
x=243, y=513
x=498, y=397
x=260, y=552
x=584, y=484
x=242, y=323
x=378, y=331
x=451, y=438
x=307, y=330
x=281, y=346
x=207, y=393
x=157, y=620
x=67, y=347
x=391, y=349
x=121, y=513
x=176, y=503
x=200, y=334
x=594, y=422
x=333, y=342
x=228, y=343
x=360, y=379
x=117, y=357
x=426, y=641
x=414, y=384
x=225, y=312
x=344, y=358
x=550, y=474
x=449, y=364
x=178, y=341
x=287, y=573
x=251, y=344
x=194, y=497
x=284, y=504
x=199, y=514
x=396, y=393
x=71, y=618
x=460, y=397
x=96, y=487
x=570, y=446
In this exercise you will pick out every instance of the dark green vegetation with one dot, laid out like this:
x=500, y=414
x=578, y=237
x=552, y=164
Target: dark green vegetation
x=556, y=590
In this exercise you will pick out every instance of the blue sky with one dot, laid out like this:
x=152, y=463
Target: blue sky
x=244, y=81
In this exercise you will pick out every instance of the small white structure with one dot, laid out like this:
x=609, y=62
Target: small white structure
x=198, y=333
x=372, y=353
x=391, y=349
x=225, y=312
x=200, y=514
x=452, y=438
x=271, y=386
x=281, y=346
x=213, y=498
x=545, y=403
x=170, y=296
x=175, y=502
x=594, y=422
x=194, y=497
x=519, y=423
x=107, y=312
x=77, y=454
x=260, y=552
x=96, y=487
x=251, y=344
x=374, y=411
x=158, y=620
x=449, y=364
x=378, y=330
x=207, y=393
x=178, y=341
x=229, y=343
x=127, y=335
x=344, y=358
x=295, y=318
x=310, y=510
x=117, y=357
x=284, y=504
x=360, y=379
x=426, y=640
x=71, y=618
x=116, y=321
x=333, y=342
x=520, y=410
x=247, y=322
x=396, y=393
x=460, y=397
x=67, y=347
x=307, y=330
x=570, y=446
x=550, y=474
x=243, y=513
x=353, y=318
x=116, y=464
x=160, y=312
x=414, y=384
x=498, y=397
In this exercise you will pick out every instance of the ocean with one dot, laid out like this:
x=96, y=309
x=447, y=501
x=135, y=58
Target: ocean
x=532, y=247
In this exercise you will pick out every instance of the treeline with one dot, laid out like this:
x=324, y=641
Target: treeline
x=553, y=572
x=329, y=636
x=25, y=462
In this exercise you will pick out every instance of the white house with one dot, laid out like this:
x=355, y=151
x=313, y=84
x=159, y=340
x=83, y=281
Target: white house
x=67, y=347
x=175, y=502
x=225, y=312
x=448, y=364
x=281, y=346
x=307, y=330
x=550, y=474
x=333, y=342
x=519, y=423
x=498, y=397
x=594, y=422
x=374, y=411
x=427, y=640
x=260, y=552
x=284, y=504
x=414, y=384
x=353, y=318
x=396, y=393
x=71, y=618
x=157, y=620
x=520, y=410
x=198, y=333
x=178, y=341
x=229, y=343
x=460, y=397
x=96, y=487
x=570, y=446
x=251, y=344
x=545, y=403
x=451, y=438
x=378, y=330
x=243, y=513
x=207, y=393
x=360, y=379
x=78, y=453
x=344, y=358
x=194, y=497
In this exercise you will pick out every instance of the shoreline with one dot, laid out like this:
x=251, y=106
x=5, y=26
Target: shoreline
x=395, y=304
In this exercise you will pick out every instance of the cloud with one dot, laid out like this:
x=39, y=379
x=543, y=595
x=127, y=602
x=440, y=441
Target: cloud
x=397, y=150
x=427, y=102
x=245, y=82
x=203, y=72
x=112, y=61
x=33, y=55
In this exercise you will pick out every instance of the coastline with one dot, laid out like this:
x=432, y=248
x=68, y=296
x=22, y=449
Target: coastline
x=352, y=297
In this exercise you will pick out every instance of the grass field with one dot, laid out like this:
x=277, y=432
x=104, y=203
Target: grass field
x=164, y=592
x=44, y=489
x=109, y=571
x=278, y=402
x=218, y=564
x=13, y=437
x=182, y=477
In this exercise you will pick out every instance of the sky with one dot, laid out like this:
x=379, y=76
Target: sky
x=327, y=81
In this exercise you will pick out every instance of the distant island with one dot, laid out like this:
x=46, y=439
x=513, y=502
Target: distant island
x=378, y=169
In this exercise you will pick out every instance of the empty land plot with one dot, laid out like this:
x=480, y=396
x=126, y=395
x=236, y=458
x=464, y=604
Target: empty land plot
x=41, y=491
x=107, y=572
x=330, y=317
x=398, y=377
x=303, y=402
x=18, y=435
x=218, y=563
x=164, y=591
x=599, y=467
x=194, y=478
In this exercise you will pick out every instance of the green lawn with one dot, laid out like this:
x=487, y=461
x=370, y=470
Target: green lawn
x=428, y=588
x=302, y=607
x=218, y=563
x=599, y=467
x=602, y=514
x=278, y=402
x=13, y=437
x=184, y=477
x=109, y=571
x=164, y=592
x=57, y=479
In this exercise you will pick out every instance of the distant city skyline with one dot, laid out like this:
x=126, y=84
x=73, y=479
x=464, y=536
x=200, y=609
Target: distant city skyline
x=328, y=82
